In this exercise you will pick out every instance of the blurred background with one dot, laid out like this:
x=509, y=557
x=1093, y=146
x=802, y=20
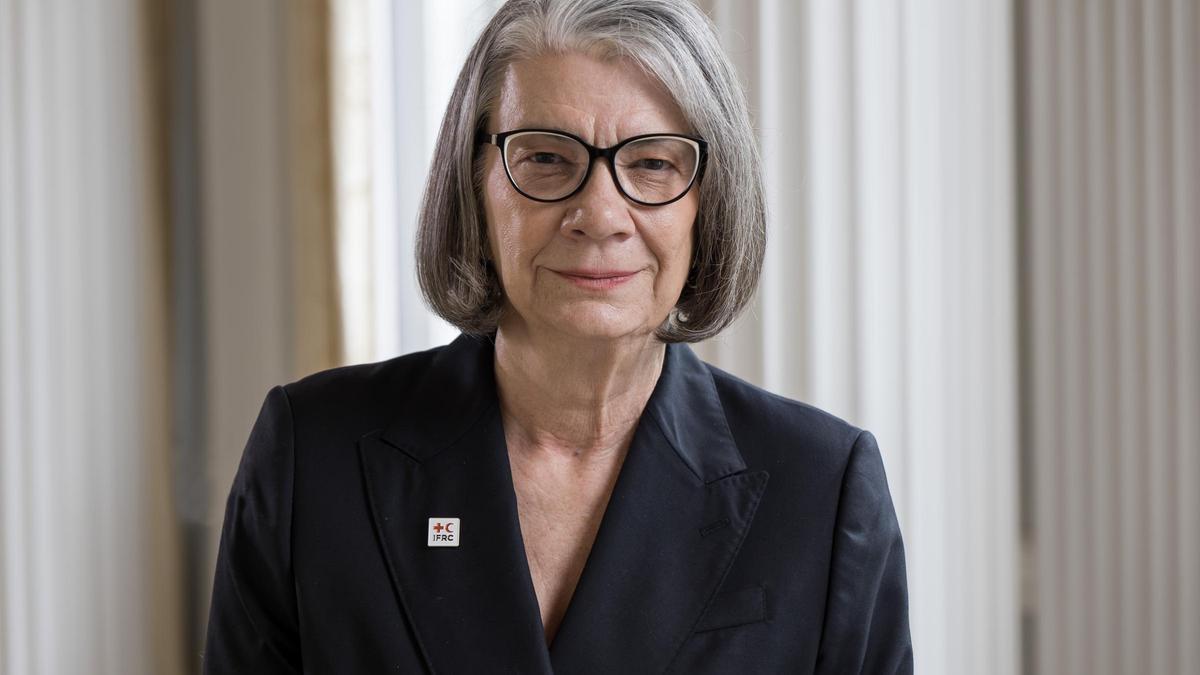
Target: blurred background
x=984, y=228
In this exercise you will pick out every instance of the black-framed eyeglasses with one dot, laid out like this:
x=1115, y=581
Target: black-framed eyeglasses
x=548, y=165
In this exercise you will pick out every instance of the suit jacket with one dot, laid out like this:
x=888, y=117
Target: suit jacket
x=746, y=533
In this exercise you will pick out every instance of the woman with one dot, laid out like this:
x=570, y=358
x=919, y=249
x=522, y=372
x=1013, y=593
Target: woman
x=566, y=487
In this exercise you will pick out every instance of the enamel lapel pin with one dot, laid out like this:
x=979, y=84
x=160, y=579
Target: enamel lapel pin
x=443, y=532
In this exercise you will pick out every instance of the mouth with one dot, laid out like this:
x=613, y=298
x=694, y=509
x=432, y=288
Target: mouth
x=596, y=279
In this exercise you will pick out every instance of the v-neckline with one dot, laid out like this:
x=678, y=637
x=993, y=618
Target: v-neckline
x=583, y=531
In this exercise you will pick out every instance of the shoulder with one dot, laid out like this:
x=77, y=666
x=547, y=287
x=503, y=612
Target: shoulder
x=362, y=376
x=358, y=397
x=822, y=462
x=774, y=430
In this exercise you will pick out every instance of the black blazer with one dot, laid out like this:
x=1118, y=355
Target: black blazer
x=746, y=533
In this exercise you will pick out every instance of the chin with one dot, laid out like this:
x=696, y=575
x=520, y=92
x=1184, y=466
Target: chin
x=601, y=323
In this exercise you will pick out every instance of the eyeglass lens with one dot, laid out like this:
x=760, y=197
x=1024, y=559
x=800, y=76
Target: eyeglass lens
x=652, y=170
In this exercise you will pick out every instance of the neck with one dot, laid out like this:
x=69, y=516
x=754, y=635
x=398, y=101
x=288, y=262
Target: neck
x=565, y=398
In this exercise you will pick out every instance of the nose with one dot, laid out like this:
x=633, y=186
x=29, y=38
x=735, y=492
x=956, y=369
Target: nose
x=599, y=210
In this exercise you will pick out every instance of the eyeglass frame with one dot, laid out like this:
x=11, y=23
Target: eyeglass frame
x=500, y=140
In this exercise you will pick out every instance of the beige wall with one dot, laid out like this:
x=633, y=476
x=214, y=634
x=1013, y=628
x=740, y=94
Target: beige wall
x=1111, y=237
x=268, y=285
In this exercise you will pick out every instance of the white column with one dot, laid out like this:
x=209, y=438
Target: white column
x=88, y=551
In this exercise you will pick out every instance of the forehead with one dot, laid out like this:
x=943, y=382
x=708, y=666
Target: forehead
x=598, y=99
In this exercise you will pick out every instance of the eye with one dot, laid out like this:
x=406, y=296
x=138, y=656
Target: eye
x=545, y=158
x=653, y=164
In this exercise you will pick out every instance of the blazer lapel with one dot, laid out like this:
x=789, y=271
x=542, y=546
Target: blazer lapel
x=679, y=510
x=446, y=456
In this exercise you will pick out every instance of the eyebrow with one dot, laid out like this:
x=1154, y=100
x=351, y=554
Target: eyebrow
x=554, y=127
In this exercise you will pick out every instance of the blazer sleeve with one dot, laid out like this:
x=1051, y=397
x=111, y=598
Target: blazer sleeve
x=252, y=621
x=866, y=616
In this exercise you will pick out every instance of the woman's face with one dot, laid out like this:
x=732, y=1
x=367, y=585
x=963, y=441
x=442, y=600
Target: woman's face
x=534, y=245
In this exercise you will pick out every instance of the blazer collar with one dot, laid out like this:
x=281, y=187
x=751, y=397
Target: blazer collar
x=460, y=386
x=679, y=510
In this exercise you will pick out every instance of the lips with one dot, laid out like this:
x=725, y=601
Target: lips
x=597, y=274
x=596, y=280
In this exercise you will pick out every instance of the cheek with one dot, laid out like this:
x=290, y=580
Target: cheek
x=514, y=233
x=502, y=216
x=675, y=244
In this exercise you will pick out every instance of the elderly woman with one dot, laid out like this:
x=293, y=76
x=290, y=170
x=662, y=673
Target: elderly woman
x=566, y=487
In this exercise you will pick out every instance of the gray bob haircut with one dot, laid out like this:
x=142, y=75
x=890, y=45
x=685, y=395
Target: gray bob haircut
x=674, y=42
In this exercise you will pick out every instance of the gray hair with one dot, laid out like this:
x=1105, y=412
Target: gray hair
x=674, y=42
